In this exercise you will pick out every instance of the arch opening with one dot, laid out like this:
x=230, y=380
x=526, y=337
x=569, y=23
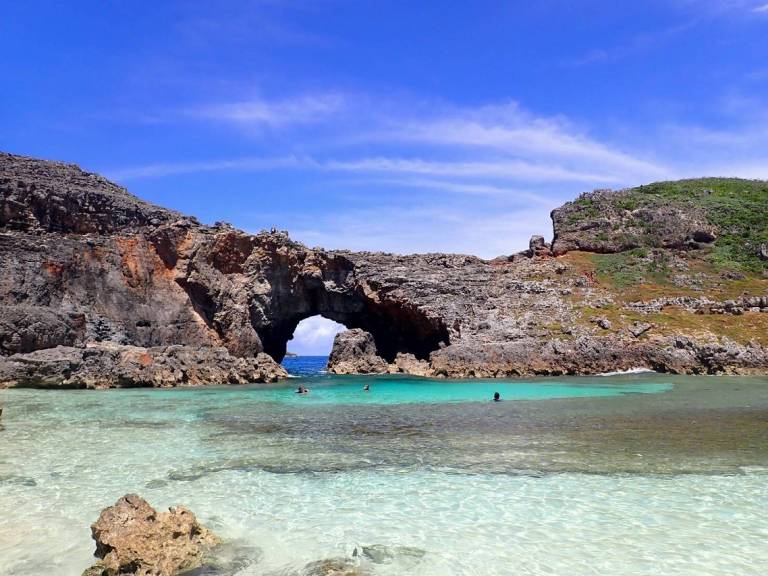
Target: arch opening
x=313, y=336
x=395, y=328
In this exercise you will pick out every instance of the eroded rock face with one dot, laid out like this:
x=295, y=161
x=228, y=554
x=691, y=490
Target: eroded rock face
x=409, y=364
x=605, y=221
x=94, y=277
x=132, y=538
x=109, y=365
x=354, y=352
x=29, y=328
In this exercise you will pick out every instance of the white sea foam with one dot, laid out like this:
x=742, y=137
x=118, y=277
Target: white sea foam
x=638, y=370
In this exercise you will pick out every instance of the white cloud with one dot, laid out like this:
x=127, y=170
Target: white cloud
x=511, y=169
x=255, y=164
x=509, y=129
x=274, y=114
x=479, y=149
x=761, y=9
x=473, y=180
x=411, y=228
x=505, y=192
x=314, y=336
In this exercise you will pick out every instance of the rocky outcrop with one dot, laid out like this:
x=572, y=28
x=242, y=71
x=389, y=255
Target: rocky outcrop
x=354, y=352
x=109, y=365
x=102, y=289
x=29, y=328
x=408, y=364
x=132, y=538
x=604, y=221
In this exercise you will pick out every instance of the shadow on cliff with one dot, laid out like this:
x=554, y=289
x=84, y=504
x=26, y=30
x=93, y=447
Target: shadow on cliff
x=329, y=288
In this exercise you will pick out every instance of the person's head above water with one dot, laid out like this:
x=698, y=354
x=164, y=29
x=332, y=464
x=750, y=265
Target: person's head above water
x=367, y=387
x=496, y=396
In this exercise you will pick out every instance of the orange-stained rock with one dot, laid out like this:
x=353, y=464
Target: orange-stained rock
x=132, y=538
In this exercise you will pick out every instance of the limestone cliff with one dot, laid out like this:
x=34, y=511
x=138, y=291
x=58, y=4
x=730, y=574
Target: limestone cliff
x=622, y=286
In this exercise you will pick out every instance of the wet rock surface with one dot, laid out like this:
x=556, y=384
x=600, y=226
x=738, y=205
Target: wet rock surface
x=132, y=538
x=90, y=269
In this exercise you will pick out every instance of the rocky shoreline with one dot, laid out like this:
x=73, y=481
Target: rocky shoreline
x=133, y=539
x=102, y=289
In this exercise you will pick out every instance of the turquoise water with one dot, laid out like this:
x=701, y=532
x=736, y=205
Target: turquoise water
x=622, y=475
x=397, y=389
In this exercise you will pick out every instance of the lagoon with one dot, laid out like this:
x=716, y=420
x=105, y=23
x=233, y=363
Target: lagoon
x=625, y=475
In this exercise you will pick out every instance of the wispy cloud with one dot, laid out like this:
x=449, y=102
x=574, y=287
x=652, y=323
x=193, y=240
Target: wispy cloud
x=222, y=165
x=505, y=192
x=511, y=169
x=762, y=9
x=413, y=228
x=272, y=113
x=476, y=180
x=509, y=129
x=502, y=142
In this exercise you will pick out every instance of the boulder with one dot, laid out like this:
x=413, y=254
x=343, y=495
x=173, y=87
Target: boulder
x=602, y=322
x=537, y=247
x=763, y=252
x=132, y=538
x=409, y=364
x=637, y=329
x=354, y=352
x=331, y=567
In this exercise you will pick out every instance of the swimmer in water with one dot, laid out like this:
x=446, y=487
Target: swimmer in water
x=496, y=397
x=367, y=388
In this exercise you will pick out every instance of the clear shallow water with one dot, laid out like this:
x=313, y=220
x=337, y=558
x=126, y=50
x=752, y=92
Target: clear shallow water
x=396, y=389
x=627, y=475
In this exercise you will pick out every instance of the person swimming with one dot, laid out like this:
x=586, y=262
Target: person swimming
x=367, y=388
x=302, y=390
x=496, y=397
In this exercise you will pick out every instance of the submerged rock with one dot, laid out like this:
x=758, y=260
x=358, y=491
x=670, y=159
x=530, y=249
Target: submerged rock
x=132, y=538
x=406, y=556
x=332, y=567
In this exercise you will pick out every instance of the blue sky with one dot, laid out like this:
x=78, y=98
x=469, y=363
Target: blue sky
x=397, y=126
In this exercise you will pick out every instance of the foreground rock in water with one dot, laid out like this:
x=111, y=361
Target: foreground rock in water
x=675, y=273
x=132, y=538
x=109, y=365
x=354, y=352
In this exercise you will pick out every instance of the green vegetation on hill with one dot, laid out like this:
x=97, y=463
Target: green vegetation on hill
x=738, y=208
x=632, y=267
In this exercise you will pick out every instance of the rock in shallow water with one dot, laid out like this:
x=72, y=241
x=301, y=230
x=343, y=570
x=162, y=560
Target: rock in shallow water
x=331, y=567
x=354, y=352
x=380, y=554
x=132, y=538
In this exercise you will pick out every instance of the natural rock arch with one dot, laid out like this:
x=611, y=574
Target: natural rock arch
x=293, y=283
x=395, y=327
